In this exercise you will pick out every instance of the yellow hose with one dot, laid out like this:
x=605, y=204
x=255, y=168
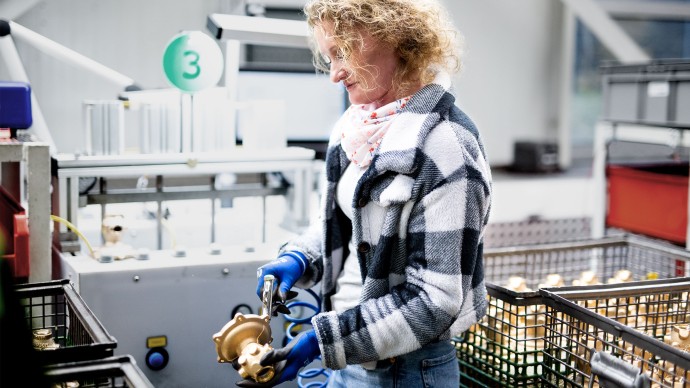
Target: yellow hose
x=75, y=230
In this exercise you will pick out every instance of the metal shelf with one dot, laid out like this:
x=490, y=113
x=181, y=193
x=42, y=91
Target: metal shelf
x=296, y=160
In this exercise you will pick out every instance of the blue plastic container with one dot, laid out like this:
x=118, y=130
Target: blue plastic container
x=15, y=105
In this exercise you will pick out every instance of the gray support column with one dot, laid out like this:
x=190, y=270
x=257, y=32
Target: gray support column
x=37, y=158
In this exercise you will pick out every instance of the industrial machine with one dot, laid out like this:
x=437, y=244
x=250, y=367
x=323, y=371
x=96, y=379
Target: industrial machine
x=163, y=307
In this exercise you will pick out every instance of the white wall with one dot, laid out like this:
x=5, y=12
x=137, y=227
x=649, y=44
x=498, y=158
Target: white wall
x=129, y=36
x=508, y=85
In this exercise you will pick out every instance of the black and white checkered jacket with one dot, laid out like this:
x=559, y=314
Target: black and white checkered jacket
x=418, y=216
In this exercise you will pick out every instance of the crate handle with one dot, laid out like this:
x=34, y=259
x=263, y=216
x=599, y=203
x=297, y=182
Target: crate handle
x=616, y=373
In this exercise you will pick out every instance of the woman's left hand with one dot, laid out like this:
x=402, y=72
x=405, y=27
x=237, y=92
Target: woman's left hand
x=287, y=361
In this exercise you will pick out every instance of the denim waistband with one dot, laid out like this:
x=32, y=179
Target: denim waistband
x=426, y=351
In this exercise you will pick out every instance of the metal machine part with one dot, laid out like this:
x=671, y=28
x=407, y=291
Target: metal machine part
x=267, y=296
x=246, y=338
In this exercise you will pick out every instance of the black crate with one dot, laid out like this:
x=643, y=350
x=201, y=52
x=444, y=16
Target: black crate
x=119, y=371
x=627, y=330
x=505, y=349
x=535, y=156
x=77, y=332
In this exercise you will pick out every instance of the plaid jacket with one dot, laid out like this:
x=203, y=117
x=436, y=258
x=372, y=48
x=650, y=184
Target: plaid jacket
x=418, y=216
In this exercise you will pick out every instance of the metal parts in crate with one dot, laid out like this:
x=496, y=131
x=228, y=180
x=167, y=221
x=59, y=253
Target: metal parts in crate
x=654, y=93
x=64, y=327
x=636, y=334
x=506, y=348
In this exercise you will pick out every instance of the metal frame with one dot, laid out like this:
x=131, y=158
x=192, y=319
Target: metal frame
x=295, y=159
x=644, y=9
x=615, y=319
x=605, y=132
x=113, y=371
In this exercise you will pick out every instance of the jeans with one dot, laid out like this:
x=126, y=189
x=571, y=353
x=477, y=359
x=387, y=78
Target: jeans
x=434, y=365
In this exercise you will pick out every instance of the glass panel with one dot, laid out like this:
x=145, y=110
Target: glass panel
x=660, y=39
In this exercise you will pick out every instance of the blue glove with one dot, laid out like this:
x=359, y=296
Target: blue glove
x=287, y=269
x=287, y=361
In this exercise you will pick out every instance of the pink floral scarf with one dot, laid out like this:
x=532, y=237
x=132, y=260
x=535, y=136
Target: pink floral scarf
x=362, y=130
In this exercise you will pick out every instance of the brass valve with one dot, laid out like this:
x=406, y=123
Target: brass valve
x=246, y=338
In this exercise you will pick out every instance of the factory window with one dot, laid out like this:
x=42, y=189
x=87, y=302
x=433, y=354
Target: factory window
x=661, y=35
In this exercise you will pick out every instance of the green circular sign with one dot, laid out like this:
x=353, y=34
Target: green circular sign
x=192, y=61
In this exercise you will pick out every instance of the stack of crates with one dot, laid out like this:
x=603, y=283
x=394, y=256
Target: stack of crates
x=505, y=349
x=636, y=334
x=67, y=335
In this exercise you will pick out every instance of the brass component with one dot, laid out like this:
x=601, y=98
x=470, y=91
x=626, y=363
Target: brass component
x=43, y=340
x=517, y=284
x=680, y=337
x=246, y=338
x=553, y=280
x=621, y=276
x=587, y=278
x=112, y=228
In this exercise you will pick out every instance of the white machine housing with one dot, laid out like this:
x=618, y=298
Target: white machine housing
x=186, y=299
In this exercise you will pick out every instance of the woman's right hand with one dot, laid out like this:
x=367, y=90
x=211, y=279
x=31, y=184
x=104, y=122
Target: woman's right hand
x=287, y=269
x=287, y=361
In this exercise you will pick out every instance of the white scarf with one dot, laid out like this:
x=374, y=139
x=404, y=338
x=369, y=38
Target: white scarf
x=361, y=130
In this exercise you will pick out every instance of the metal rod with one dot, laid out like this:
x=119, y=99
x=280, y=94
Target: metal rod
x=267, y=297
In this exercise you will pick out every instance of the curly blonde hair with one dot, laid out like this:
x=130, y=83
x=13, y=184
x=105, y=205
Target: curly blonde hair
x=420, y=31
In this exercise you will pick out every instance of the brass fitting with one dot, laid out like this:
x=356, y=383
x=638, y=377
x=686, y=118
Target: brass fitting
x=43, y=340
x=246, y=338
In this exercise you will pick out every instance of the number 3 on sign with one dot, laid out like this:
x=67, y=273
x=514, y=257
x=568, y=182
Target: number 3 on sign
x=192, y=61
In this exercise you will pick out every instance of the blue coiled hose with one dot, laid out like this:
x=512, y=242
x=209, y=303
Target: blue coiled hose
x=295, y=322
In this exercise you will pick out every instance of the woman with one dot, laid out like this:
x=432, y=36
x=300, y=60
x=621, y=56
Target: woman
x=398, y=249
